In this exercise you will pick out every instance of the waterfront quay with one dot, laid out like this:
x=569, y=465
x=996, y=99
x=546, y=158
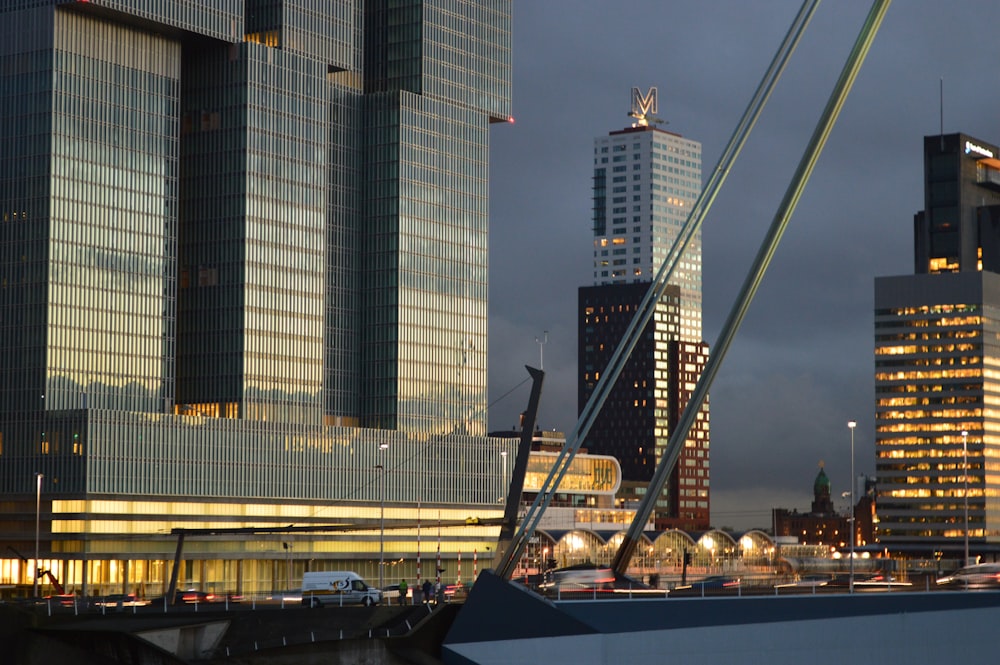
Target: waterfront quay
x=237, y=633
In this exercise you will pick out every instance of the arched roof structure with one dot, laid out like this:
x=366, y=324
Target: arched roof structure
x=756, y=547
x=663, y=549
x=669, y=546
x=576, y=546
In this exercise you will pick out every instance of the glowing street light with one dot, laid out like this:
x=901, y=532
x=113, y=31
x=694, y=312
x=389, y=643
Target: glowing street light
x=851, y=424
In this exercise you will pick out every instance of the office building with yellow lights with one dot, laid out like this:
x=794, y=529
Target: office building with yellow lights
x=243, y=288
x=937, y=362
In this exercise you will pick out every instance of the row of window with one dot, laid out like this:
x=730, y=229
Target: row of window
x=194, y=457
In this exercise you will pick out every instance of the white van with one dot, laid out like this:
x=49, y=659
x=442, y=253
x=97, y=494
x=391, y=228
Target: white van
x=342, y=587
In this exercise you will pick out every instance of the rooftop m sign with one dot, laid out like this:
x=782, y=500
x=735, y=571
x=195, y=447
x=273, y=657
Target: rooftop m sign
x=643, y=105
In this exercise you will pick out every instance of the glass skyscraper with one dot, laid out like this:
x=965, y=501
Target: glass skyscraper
x=243, y=278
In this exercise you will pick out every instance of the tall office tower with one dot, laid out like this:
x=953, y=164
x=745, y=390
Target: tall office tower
x=243, y=264
x=937, y=360
x=645, y=182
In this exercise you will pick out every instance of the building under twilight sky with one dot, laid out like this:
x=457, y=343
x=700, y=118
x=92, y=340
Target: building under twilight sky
x=645, y=182
x=243, y=281
x=937, y=361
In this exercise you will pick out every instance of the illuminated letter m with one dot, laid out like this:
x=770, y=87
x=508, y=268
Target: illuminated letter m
x=644, y=105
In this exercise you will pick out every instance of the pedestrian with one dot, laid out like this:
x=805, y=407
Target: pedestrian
x=404, y=589
x=427, y=588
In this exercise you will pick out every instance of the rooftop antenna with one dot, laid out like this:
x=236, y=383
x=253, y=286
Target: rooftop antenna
x=541, y=346
x=941, y=110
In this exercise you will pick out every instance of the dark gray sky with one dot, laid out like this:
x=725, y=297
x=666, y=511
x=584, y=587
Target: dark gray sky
x=802, y=364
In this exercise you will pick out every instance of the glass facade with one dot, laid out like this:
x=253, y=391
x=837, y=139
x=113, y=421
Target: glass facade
x=219, y=19
x=937, y=365
x=457, y=50
x=427, y=189
x=251, y=295
x=342, y=313
x=586, y=474
x=464, y=54
x=319, y=29
x=241, y=284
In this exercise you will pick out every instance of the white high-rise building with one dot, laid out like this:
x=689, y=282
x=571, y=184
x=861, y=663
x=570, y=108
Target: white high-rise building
x=646, y=181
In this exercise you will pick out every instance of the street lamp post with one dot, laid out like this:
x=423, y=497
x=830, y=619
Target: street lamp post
x=381, y=528
x=38, y=521
x=965, y=474
x=504, y=487
x=851, y=424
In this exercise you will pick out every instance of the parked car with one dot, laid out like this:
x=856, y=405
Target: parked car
x=980, y=576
